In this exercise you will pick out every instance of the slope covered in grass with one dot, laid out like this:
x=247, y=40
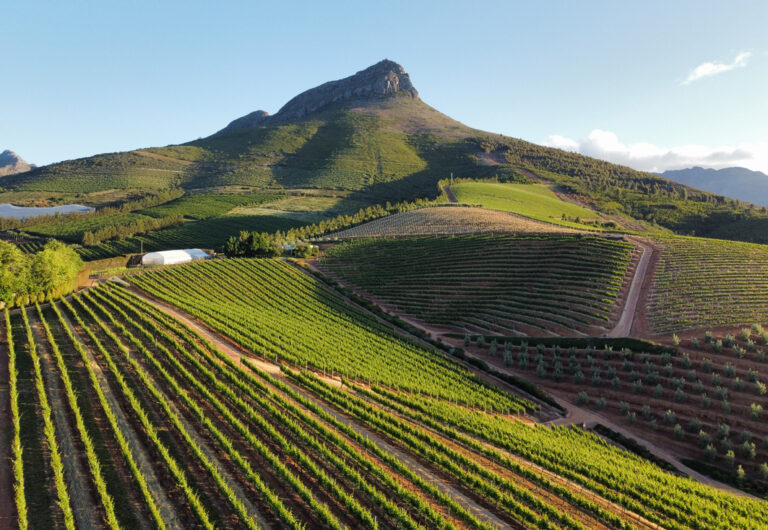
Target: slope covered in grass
x=536, y=201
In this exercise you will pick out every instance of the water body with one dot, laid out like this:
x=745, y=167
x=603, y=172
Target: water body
x=24, y=212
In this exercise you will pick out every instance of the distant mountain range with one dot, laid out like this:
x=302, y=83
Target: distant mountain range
x=737, y=182
x=11, y=163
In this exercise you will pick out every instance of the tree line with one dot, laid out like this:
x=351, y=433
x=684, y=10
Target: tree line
x=140, y=226
x=254, y=244
x=28, y=278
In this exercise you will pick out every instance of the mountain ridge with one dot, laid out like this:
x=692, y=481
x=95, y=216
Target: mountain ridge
x=737, y=182
x=381, y=80
x=11, y=163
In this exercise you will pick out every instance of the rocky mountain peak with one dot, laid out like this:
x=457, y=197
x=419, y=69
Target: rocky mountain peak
x=11, y=163
x=382, y=80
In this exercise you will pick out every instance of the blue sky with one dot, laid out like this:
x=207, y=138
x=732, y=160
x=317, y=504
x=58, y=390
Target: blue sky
x=648, y=84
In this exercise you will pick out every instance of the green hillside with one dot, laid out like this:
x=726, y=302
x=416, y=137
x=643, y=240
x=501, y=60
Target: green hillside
x=530, y=200
x=383, y=147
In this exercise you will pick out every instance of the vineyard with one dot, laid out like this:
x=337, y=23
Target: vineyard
x=448, y=220
x=208, y=205
x=706, y=398
x=125, y=416
x=282, y=314
x=702, y=283
x=492, y=284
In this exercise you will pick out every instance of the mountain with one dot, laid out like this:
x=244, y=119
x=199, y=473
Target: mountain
x=11, y=163
x=371, y=135
x=380, y=81
x=737, y=182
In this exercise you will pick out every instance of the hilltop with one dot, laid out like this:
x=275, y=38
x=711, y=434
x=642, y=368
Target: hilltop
x=372, y=135
x=11, y=163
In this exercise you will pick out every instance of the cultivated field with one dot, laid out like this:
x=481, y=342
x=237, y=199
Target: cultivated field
x=704, y=283
x=492, y=284
x=448, y=220
x=705, y=399
x=126, y=414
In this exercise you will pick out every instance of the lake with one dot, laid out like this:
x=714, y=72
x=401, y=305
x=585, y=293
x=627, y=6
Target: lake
x=23, y=212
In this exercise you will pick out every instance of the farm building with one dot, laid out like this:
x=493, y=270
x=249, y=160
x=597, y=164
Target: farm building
x=171, y=257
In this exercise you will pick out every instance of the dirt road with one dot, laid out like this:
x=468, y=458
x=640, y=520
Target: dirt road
x=623, y=327
x=449, y=193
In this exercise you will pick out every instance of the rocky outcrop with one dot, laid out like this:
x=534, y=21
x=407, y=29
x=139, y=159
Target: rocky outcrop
x=382, y=80
x=246, y=122
x=11, y=163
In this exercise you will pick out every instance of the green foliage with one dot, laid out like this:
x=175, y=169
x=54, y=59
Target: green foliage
x=14, y=271
x=361, y=348
x=139, y=226
x=24, y=277
x=101, y=172
x=252, y=245
x=55, y=266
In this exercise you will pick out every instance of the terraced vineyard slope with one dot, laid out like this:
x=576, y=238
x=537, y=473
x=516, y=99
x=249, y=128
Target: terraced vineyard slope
x=492, y=284
x=448, y=220
x=502, y=471
x=704, y=399
x=263, y=303
x=703, y=283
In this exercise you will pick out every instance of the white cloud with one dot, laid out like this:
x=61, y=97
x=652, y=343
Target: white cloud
x=643, y=156
x=709, y=69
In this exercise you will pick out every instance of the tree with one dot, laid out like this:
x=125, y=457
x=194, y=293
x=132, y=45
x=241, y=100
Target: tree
x=677, y=432
x=14, y=271
x=88, y=239
x=232, y=246
x=55, y=266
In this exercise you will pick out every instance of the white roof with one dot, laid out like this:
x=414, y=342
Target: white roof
x=169, y=257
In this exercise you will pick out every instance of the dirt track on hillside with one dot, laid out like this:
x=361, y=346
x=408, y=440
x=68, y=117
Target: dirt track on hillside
x=623, y=327
x=449, y=193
